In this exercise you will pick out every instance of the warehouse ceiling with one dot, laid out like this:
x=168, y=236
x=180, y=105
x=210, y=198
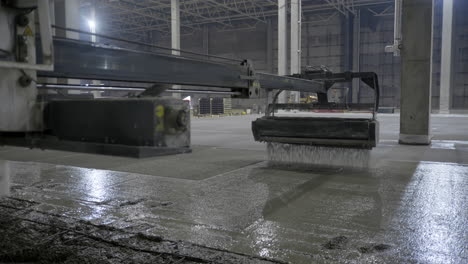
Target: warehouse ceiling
x=142, y=17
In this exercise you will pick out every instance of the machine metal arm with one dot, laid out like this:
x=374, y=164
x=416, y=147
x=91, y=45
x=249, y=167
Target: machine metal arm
x=83, y=60
x=329, y=79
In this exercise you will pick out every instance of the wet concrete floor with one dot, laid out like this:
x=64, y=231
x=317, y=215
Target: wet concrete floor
x=408, y=206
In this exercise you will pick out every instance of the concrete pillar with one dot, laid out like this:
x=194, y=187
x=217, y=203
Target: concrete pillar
x=175, y=26
x=52, y=20
x=175, y=35
x=72, y=17
x=269, y=46
x=92, y=28
x=446, y=75
x=295, y=46
x=416, y=69
x=356, y=55
x=67, y=14
x=347, y=26
x=282, y=45
x=307, y=28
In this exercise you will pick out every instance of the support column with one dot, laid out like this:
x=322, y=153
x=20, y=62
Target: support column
x=67, y=14
x=282, y=45
x=72, y=17
x=446, y=75
x=347, y=29
x=92, y=28
x=175, y=35
x=307, y=28
x=269, y=46
x=416, y=69
x=52, y=21
x=295, y=43
x=356, y=55
x=175, y=26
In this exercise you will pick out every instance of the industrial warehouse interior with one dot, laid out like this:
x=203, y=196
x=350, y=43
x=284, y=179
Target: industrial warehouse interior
x=234, y=131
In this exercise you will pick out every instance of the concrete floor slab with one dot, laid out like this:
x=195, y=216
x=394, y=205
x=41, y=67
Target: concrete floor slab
x=408, y=206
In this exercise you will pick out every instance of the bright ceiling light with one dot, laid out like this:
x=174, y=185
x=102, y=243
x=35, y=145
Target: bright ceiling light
x=92, y=25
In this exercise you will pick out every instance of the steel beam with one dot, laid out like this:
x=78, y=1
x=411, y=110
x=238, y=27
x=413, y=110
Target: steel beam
x=219, y=12
x=273, y=81
x=81, y=60
x=124, y=89
x=236, y=10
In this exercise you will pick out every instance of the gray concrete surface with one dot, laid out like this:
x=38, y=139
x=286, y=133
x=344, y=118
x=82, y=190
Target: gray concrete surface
x=408, y=206
x=416, y=65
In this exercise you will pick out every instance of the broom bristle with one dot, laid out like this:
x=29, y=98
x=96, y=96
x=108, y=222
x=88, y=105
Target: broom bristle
x=279, y=153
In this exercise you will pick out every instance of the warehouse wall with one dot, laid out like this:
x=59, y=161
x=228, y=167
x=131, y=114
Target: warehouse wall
x=322, y=44
x=376, y=33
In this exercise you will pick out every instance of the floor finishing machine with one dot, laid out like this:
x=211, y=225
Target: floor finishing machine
x=36, y=67
x=322, y=131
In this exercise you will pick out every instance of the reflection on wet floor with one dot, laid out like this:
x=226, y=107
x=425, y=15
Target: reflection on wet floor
x=449, y=144
x=435, y=203
x=395, y=212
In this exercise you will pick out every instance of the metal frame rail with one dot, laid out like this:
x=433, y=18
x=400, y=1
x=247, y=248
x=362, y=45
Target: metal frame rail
x=84, y=60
